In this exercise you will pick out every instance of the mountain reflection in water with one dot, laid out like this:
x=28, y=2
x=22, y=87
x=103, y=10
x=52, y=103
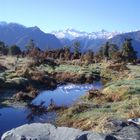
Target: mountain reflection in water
x=64, y=95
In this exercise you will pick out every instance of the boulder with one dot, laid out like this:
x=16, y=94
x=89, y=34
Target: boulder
x=31, y=132
x=131, y=132
x=115, y=125
x=135, y=121
x=38, y=131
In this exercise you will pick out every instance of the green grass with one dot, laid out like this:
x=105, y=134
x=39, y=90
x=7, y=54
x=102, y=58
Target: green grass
x=130, y=84
x=100, y=116
x=128, y=106
x=68, y=68
x=45, y=68
x=90, y=69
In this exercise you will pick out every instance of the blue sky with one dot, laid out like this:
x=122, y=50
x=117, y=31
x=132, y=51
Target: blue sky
x=85, y=15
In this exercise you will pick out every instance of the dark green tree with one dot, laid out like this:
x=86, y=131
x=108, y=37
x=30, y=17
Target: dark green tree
x=30, y=45
x=48, y=48
x=76, y=50
x=14, y=50
x=3, y=48
x=106, y=51
x=100, y=52
x=128, y=52
x=89, y=56
x=113, y=49
x=67, y=52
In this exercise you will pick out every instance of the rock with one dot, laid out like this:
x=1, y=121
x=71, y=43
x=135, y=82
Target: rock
x=96, y=136
x=64, y=133
x=128, y=133
x=134, y=121
x=38, y=131
x=115, y=125
x=31, y=132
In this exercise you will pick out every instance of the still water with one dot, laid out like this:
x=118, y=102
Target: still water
x=11, y=117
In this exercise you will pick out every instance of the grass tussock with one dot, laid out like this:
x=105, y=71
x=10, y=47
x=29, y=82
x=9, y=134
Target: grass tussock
x=120, y=100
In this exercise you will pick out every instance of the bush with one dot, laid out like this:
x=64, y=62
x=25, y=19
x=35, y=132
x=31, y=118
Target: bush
x=14, y=50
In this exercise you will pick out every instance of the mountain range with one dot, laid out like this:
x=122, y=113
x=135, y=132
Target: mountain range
x=134, y=35
x=93, y=41
x=87, y=40
x=72, y=34
x=13, y=33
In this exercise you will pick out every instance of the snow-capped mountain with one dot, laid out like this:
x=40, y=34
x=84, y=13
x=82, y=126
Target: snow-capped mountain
x=87, y=40
x=14, y=33
x=72, y=34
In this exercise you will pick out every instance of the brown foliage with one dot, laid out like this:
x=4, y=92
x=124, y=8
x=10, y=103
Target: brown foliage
x=117, y=66
x=113, y=97
x=94, y=93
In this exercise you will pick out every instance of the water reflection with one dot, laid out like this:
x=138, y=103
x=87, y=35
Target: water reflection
x=65, y=95
x=36, y=111
x=13, y=117
x=39, y=109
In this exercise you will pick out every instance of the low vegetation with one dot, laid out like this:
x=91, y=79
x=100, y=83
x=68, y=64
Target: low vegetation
x=118, y=100
x=26, y=71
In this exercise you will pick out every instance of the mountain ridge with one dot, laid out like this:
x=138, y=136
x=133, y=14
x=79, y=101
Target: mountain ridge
x=14, y=33
x=71, y=34
x=93, y=41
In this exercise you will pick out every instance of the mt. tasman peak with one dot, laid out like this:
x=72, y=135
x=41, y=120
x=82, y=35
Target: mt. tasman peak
x=95, y=40
x=72, y=34
x=87, y=40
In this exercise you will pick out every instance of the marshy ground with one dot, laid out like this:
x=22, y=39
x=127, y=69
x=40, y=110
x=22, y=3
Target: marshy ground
x=119, y=99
